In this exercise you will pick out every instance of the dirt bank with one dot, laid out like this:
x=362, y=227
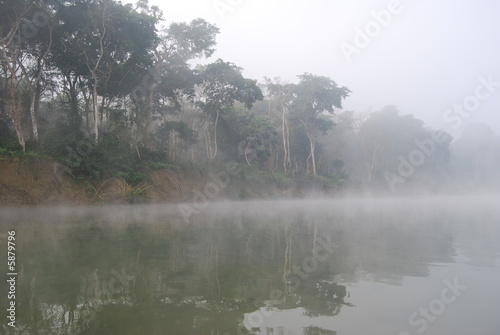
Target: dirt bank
x=38, y=181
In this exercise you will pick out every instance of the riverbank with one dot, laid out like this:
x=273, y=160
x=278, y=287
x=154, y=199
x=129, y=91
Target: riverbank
x=35, y=181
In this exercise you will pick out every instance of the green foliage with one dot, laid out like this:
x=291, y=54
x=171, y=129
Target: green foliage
x=109, y=63
x=18, y=153
x=224, y=85
x=8, y=142
x=246, y=136
x=10, y=147
x=85, y=158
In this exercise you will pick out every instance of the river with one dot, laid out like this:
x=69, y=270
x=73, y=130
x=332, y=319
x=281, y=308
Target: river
x=310, y=266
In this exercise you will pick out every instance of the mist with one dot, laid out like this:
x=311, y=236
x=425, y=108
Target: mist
x=248, y=167
x=304, y=266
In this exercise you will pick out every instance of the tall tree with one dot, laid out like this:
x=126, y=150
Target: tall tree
x=283, y=94
x=170, y=75
x=37, y=52
x=222, y=85
x=107, y=44
x=314, y=96
x=13, y=33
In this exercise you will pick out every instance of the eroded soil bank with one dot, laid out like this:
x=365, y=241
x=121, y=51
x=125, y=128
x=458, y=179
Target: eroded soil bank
x=39, y=181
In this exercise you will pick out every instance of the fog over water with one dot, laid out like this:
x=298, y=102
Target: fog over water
x=309, y=266
x=323, y=167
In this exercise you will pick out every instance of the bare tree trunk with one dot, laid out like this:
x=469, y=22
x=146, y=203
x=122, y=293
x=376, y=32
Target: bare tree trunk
x=312, y=142
x=72, y=96
x=87, y=99
x=369, y=161
x=95, y=79
x=15, y=105
x=312, y=148
x=288, y=157
x=208, y=144
x=34, y=125
x=148, y=118
x=16, y=119
x=35, y=87
x=214, y=152
x=95, y=109
x=10, y=54
x=285, y=136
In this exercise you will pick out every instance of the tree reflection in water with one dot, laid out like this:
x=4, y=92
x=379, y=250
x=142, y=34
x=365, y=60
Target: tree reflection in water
x=122, y=274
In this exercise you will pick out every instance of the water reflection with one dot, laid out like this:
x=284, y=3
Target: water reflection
x=143, y=270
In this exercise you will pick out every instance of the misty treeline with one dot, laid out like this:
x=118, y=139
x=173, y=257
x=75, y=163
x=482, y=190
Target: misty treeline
x=109, y=89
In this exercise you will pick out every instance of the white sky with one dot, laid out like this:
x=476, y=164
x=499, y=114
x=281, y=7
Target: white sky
x=426, y=59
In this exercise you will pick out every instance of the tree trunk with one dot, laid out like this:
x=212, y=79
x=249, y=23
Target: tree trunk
x=95, y=112
x=16, y=119
x=312, y=142
x=72, y=94
x=215, y=148
x=34, y=124
x=312, y=148
x=285, y=137
x=87, y=99
x=15, y=107
x=95, y=80
x=10, y=54
x=149, y=118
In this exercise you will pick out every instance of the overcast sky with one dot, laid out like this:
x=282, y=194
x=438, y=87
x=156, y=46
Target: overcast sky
x=425, y=58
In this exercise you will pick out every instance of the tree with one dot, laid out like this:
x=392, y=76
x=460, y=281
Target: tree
x=222, y=84
x=399, y=147
x=476, y=157
x=314, y=96
x=107, y=44
x=246, y=135
x=341, y=149
x=283, y=94
x=37, y=52
x=170, y=75
x=13, y=33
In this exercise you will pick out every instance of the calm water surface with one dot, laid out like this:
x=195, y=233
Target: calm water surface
x=356, y=266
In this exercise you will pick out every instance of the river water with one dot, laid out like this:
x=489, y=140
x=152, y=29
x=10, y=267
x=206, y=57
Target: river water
x=310, y=266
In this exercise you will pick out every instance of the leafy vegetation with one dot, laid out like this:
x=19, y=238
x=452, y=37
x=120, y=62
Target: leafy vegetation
x=101, y=88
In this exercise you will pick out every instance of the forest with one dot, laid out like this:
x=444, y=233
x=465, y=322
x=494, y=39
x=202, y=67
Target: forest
x=111, y=90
